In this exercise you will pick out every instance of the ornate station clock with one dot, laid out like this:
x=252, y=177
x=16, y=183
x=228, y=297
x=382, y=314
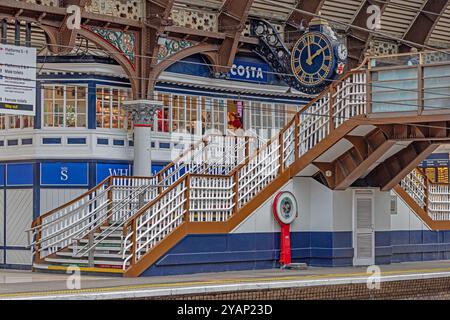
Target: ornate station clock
x=316, y=59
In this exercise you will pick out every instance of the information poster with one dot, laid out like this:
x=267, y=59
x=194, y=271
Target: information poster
x=17, y=80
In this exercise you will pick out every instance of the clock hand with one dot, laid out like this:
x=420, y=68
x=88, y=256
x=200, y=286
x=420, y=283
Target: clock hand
x=309, y=60
x=317, y=53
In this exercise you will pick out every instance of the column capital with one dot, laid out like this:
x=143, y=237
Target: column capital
x=142, y=111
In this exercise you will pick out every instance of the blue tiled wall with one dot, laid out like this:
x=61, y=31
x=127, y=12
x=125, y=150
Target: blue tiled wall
x=247, y=251
x=244, y=251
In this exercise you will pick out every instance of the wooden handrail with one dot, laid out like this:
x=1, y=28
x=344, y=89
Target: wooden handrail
x=38, y=221
x=237, y=168
x=74, y=200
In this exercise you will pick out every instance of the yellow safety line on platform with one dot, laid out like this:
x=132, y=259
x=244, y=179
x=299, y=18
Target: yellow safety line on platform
x=87, y=269
x=211, y=282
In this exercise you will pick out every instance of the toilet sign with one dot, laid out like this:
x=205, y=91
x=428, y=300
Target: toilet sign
x=285, y=211
x=17, y=80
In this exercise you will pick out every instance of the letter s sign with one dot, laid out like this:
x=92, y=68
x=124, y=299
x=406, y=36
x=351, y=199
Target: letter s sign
x=64, y=174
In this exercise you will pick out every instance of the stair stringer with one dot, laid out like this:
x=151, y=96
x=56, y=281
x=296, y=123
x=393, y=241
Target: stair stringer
x=434, y=225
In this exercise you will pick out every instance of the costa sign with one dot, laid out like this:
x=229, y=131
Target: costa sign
x=248, y=71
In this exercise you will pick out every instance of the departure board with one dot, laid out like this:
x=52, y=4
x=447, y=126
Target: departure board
x=442, y=174
x=436, y=167
x=431, y=174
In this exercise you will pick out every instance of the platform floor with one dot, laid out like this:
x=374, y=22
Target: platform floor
x=30, y=285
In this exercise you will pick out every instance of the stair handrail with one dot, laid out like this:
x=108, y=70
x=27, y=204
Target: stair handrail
x=274, y=146
x=95, y=214
x=101, y=219
x=111, y=229
x=37, y=225
x=433, y=197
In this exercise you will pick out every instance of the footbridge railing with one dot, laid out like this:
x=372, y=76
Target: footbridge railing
x=433, y=198
x=115, y=199
x=216, y=198
x=386, y=86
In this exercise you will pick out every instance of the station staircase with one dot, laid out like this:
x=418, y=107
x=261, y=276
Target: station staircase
x=342, y=138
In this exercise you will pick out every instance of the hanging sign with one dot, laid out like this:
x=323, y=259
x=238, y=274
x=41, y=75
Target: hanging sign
x=17, y=80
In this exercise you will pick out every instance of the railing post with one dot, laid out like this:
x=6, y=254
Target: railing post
x=187, y=196
x=159, y=181
x=420, y=85
x=91, y=262
x=368, y=90
x=236, y=192
x=37, y=249
x=332, y=90
x=133, y=244
x=296, y=137
x=110, y=197
x=281, y=151
x=247, y=148
x=205, y=155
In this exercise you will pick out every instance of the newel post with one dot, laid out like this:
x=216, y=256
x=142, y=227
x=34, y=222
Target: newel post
x=134, y=244
x=331, y=101
x=281, y=151
x=187, y=193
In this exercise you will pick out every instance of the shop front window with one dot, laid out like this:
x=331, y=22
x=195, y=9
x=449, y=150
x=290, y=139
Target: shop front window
x=110, y=113
x=16, y=122
x=234, y=111
x=65, y=106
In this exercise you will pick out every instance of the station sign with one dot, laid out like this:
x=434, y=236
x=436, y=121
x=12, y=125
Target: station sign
x=64, y=174
x=436, y=160
x=248, y=71
x=105, y=170
x=17, y=80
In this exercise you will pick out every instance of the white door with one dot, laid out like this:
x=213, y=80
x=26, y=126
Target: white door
x=363, y=228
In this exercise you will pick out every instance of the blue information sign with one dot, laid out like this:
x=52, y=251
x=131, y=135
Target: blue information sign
x=105, y=170
x=248, y=71
x=64, y=173
x=435, y=160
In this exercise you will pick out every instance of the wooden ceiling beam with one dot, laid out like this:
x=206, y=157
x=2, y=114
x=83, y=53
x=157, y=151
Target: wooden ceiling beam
x=231, y=19
x=358, y=40
x=423, y=24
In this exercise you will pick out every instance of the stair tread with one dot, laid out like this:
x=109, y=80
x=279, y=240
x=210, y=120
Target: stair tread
x=94, y=270
x=103, y=248
x=76, y=261
x=99, y=255
x=114, y=241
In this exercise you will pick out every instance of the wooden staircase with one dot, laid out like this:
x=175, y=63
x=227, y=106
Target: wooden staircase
x=380, y=149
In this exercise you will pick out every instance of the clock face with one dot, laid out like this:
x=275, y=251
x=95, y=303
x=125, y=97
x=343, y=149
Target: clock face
x=342, y=52
x=312, y=59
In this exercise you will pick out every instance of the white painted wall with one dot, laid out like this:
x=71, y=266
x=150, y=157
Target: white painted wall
x=320, y=209
x=405, y=219
x=53, y=198
x=19, y=215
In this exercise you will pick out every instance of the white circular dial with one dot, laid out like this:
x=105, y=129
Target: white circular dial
x=342, y=52
x=286, y=207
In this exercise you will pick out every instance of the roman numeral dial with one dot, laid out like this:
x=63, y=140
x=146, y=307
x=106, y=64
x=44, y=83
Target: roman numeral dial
x=312, y=59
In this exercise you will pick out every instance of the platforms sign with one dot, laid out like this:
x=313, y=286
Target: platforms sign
x=17, y=80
